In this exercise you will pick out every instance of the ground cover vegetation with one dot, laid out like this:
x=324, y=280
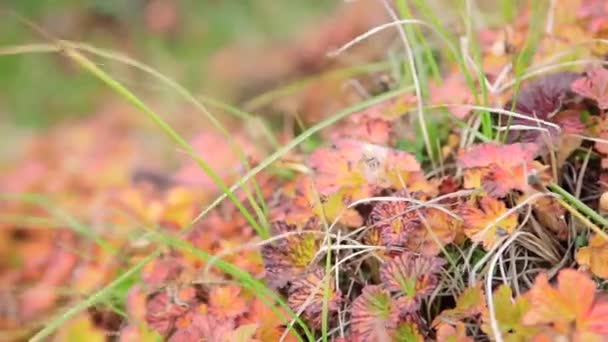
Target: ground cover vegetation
x=422, y=177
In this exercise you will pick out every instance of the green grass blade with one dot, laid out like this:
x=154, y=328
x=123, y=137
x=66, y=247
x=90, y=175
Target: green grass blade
x=269, y=97
x=45, y=48
x=524, y=58
x=300, y=139
x=91, y=67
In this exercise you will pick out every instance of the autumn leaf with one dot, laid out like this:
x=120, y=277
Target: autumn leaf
x=203, y=327
x=338, y=167
x=81, y=329
x=499, y=168
x=138, y=333
x=436, y=229
x=347, y=171
x=361, y=168
x=290, y=256
x=413, y=277
x=470, y=303
x=162, y=270
x=361, y=126
x=162, y=313
x=407, y=331
x=456, y=333
x=594, y=256
x=307, y=293
x=222, y=157
x=571, y=308
x=539, y=99
x=37, y=299
x=243, y=333
x=394, y=220
x=374, y=315
x=453, y=91
x=226, y=302
x=136, y=304
x=376, y=124
x=300, y=201
x=504, y=156
x=594, y=13
x=179, y=206
x=271, y=325
x=544, y=96
x=487, y=221
x=593, y=85
x=509, y=313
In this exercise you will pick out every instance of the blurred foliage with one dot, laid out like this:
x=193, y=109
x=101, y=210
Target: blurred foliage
x=40, y=89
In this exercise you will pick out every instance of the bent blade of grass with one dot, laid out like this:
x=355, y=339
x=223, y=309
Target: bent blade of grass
x=91, y=67
x=524, y=58
x=243, y=115
x=326, y=279
x=60, y=46
x=412, y=60
x=199, y=105
x=87, y=64
x=450, y=41
x=404, y=11
x=267, y=98
x=300, y=139
x=581, y=208
x=473, y=44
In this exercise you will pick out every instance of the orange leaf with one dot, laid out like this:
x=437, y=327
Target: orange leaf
x=499, y=168
x=504, y=156
x=470, y=303
x=594, y=85
x=486, y=222
x=270, y=324
x=307, y=293
x=449, y=333
x=571, y=308
x=226, y=302
x=360, y=168
x=81, y=329
x=289, y=257
x=453, y=90
x=595, y=256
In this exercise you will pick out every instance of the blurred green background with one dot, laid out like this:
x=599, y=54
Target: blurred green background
x=178, y=37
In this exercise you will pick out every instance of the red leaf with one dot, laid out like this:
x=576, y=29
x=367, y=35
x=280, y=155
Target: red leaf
x=373, y=315
x=539, y=99
x=226, y=302
x=162, y=313
x=594, y=85
x=486, y=222
x=359, y=168
x=394, y=221
x=413, y=277
x=307, y=293
x=159, y=271
x=453, y=90
x=572, y=308
x=500, y=168
x=505, y=156
x=595, y=13
x=290, y=256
